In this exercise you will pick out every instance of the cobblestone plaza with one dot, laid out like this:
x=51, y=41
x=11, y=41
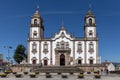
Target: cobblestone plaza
x=55, y=76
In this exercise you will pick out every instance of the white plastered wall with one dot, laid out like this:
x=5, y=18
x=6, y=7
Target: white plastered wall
x=88, y=54
x=82, y=54
x=36, y=55
x=47, y=55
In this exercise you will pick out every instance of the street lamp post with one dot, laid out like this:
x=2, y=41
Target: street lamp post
x=8, y=47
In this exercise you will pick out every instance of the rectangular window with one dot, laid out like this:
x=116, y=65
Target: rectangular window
x=45, y=47
x=79, y=46
x=90, y=46
x=34, y=46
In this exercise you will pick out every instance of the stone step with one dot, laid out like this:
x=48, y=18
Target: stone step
x=59, y=69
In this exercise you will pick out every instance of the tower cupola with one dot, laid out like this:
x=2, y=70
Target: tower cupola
x=37, y=28
x=90, y=24
x=90, y=18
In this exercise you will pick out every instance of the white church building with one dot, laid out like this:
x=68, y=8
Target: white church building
x=62, y=49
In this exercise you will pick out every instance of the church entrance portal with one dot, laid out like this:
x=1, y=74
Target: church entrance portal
x=62, y=60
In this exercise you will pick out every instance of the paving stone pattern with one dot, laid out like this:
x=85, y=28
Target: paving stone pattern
x=55, y=76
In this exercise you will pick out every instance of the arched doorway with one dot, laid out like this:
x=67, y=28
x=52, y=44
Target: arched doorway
x=62, y=60
x=91, y=61
x=33, y=61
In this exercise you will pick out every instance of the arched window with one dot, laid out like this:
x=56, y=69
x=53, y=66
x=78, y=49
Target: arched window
x=35, y=21
x=90, y=21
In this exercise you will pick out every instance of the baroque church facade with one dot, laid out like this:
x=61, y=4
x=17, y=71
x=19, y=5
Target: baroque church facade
x=62, y=49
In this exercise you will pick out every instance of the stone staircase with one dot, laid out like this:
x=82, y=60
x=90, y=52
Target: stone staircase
x=59, y=69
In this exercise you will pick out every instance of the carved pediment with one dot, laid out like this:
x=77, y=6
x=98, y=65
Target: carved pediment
x=62, y=34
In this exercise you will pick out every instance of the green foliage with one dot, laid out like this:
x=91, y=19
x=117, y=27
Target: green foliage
x=19, y=54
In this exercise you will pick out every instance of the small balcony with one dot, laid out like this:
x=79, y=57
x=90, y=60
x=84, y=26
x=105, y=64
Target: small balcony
x=63, y=49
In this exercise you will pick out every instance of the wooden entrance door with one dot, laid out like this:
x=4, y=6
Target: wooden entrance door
x=79, y=62
x=62, y=60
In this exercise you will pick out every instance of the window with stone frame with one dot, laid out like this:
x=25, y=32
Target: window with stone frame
x=90, y=33
x=91, y=47
x=62, y=45
x=58, y=45
x=45, y=47
x=67, y=45
x=34, y=47
x=79, y=47
x=35, y=34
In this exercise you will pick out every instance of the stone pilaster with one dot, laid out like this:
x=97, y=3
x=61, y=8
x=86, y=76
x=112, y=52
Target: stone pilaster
x=96, y=51
x=29, y=52
x=40, y=52
x=85, y=52
x=57, y=59
x=50, y=52
x=66, y=58
x=73, y=52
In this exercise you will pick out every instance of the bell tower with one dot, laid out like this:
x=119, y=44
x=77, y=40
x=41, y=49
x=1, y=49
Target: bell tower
x=36, y=26
x=36, y=35
x=90, y=25
x=91, y=40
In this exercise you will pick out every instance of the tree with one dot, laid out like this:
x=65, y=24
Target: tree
x=19, y=54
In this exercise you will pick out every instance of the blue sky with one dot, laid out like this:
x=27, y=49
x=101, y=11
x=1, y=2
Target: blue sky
x=15, y=18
